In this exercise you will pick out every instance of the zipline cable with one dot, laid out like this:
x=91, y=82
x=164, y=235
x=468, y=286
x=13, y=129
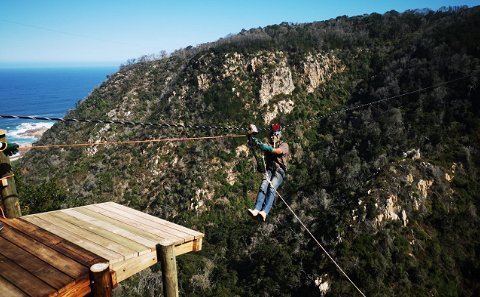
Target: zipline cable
x=125, y=123
x=308, y=231
x=234, y=128
x=315, y=239
x=77, y=35
x=27, y=148
x=298, y=123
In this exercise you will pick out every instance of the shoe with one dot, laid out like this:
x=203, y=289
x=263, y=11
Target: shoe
x=263, y=214
x=253, y=212
x=1, y=226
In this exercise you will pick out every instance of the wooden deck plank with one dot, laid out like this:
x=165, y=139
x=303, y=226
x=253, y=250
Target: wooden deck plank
x=132, y=220
x=106, y=227
x=45, y=253
x=117, y=221
x=187, y=247
x=155, y=219
x=107, y=254
x=147, y=224
x=41, y=269
x=9, y=290
x=21, y=278
x=130, y=267
x=130, y=245
x=164, y=237
x=81, y=288
x=58, y=220
x=55, y=242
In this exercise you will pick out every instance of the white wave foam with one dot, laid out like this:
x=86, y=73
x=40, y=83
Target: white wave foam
x=27, y=133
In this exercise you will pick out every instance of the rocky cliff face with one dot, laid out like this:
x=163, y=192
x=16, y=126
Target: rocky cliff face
x=271, y=73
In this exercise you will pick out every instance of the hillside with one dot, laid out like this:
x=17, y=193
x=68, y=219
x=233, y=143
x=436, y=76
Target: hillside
x=391, y=189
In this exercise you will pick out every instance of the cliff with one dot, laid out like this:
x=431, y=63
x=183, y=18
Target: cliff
x=390, y=189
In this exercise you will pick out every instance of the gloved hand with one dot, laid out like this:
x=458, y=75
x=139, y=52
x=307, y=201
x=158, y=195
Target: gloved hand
x=12, y=149
x=264, y=147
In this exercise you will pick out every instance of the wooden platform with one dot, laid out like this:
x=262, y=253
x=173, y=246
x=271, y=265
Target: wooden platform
x=108, y=232
x=34, y=262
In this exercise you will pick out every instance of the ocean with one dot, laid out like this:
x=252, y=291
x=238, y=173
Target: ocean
x=45, y=92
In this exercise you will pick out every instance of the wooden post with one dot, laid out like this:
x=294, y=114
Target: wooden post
x=101, y=280
x=8, y=190
x=166, y=254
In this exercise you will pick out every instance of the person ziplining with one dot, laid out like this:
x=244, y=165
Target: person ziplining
x=275, y=159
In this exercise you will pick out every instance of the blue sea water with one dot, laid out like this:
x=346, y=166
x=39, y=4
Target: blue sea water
x=45, y=92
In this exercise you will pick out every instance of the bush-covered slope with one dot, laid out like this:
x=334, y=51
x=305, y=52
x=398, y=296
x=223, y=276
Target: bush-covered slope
x=391, y=190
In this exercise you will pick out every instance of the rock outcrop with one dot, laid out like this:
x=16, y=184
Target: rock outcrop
x=317, y=69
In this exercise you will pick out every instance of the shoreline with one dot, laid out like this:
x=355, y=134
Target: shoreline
x=35, y=133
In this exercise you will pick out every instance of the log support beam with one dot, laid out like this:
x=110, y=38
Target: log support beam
x=101, y=282
x=166, y=255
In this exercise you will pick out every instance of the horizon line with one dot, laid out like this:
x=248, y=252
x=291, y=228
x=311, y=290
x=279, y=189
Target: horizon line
x=56, y=64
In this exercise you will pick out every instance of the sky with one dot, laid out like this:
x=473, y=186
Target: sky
x=109, y=32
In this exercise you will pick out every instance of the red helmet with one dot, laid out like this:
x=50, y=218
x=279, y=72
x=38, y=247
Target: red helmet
x=276, y=129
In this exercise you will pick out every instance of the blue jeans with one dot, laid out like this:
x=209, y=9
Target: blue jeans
x=266, y=195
